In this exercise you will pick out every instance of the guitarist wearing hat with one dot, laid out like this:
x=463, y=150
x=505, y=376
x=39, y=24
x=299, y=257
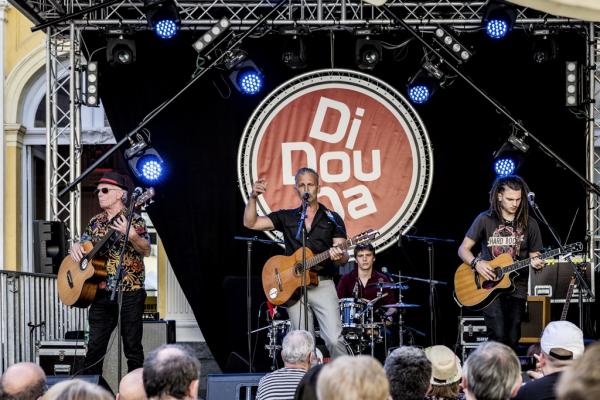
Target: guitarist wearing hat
x=506, y=227
x=112, y=191
x=325, y=229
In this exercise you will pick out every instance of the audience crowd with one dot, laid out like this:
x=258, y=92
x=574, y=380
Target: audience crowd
x=564, y=370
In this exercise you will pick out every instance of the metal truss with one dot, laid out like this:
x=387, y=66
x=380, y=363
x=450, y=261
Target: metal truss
x=593, y=143
x=63, y=125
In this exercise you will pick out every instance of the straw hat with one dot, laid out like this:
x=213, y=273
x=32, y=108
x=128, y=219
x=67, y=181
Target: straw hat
x=445, y=365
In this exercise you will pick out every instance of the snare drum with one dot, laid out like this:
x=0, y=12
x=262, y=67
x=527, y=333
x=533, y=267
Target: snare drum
x=351, y=313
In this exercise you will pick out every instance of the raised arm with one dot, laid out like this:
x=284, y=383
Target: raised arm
x=251, y=218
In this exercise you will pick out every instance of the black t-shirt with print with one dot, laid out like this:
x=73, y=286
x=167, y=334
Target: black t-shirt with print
x=495, y=237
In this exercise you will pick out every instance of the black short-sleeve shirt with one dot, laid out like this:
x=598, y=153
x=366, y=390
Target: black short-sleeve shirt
x=326, y=226
x=496, y=237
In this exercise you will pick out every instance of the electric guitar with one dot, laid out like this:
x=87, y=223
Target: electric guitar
x=77, y=282
x=282, y=275
x=473, y=290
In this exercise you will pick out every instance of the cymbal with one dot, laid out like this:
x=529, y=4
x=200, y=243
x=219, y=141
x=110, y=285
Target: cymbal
x=388, y=285
x=401, y=305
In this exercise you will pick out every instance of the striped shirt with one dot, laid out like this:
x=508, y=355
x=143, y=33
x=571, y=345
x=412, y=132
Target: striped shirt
x=280, y=384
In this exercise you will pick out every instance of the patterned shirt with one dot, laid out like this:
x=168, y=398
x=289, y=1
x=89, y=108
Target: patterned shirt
x=133, y=262
x=280, y=384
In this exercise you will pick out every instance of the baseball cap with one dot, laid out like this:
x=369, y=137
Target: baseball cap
x=562, y=335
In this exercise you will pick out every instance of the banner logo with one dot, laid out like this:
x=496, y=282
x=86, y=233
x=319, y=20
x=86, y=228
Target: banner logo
x=364, y=139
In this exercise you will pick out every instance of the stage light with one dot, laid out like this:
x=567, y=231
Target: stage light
x=544, y=48
x=210, y=35
x=294, y=53
x=368, y=53
x=120, y=51
x=510, y=156
x=572, y=84
x=498, y=19
x=145, y=162
x=163, y=17
x=460, y=52
x=504, y=166
x=91, y=88
x=244, y=74
x=424, y=83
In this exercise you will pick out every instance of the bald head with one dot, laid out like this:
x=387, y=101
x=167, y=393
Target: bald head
x=132, y=386
x=171, y=370
x=23, y=381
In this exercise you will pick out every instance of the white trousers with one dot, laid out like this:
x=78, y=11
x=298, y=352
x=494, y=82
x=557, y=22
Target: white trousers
x=322, y=303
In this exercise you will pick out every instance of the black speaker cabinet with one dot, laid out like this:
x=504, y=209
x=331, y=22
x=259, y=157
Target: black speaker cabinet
x=535, y=319
x=156, y=333
x=553, y=281
x=232, y=386
x=52, y=380
x=62, y=357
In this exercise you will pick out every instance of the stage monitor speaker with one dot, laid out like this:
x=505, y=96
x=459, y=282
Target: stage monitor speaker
x=535, y=319
x=232, y=386
x=52, y=380
x=156, y=333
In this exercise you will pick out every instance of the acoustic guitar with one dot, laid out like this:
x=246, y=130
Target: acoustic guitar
x=77, y=282
x=282, y=275
x=474, y=291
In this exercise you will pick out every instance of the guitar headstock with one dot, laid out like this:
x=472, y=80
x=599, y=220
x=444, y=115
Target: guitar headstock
x=573, y=248
x=364, y=237
x=145, y=197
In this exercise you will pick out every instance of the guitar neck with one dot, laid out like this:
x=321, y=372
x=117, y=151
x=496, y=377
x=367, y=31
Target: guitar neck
x=525, y=263
x=319, y=258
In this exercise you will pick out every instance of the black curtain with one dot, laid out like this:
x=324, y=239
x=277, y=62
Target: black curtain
x=198, y=207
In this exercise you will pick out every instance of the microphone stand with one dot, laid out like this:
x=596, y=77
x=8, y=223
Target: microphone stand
x=581, y=282
x=431, y=263
x=118, y=282
x=302, y=232
x=249, y=241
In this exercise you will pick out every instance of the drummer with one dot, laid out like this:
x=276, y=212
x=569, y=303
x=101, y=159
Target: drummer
x=366, y=283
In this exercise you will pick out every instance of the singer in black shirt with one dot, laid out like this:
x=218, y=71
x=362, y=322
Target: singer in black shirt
x=506, y=227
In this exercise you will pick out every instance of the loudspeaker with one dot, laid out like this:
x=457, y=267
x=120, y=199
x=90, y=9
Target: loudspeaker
x=232, y=386
x=52, y=380
x=553, y=281
x=535, y=319
x=156, y=333
x=49, y=243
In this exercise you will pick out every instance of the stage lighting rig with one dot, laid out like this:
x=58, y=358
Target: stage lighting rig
x=424, y=83
x=91, y=98
x=210, y=35
x=120, y=51
x=163, y=17
x=498, y=19
x=572, y=84
x=460, y=52
x=244, y=74
x=510, y=156
x=144, y=161
x=294, y=52
x=368, y=53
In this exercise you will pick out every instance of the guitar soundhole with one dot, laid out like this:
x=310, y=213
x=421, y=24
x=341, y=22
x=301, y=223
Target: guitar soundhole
x=298, y=269
x=487, y=284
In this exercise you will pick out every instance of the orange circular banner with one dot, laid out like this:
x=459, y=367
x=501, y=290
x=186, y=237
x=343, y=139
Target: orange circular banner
x=364, y=139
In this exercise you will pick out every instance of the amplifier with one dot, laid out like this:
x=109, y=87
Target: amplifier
x=63, y=357
x=553, y=281
x=467, y=350
x=473, y=330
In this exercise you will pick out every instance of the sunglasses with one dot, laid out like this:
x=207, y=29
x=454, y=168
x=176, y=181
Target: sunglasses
x=103, y=190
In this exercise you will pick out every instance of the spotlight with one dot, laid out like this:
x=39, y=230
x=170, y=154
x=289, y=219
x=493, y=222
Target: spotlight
x=145, y=162
x=246, y=77
x=510, y=156
x=91, y=87
x=424, y=83
x=120, y=51
x=367, y=53
x=544, y=48
x=498, y=19
x=460, y=52
x=572, y=84
x=294, y=53
x=210, y=35
x=163, y=17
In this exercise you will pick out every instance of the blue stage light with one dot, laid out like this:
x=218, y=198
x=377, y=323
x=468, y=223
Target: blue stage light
x=419, y=94
x=504, y=166
x=166, y=28
x=150, y=167
x=250, y=81
x=496, y=28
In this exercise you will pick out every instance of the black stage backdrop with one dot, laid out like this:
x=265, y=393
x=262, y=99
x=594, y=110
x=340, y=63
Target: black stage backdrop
x=198, y=208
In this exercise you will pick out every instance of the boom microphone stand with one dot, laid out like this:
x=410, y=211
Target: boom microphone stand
x=119, y=279
x=581, y=282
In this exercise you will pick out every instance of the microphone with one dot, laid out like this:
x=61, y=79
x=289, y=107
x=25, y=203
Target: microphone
x=305, y=196
x=137, y=192
x=531, y=199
